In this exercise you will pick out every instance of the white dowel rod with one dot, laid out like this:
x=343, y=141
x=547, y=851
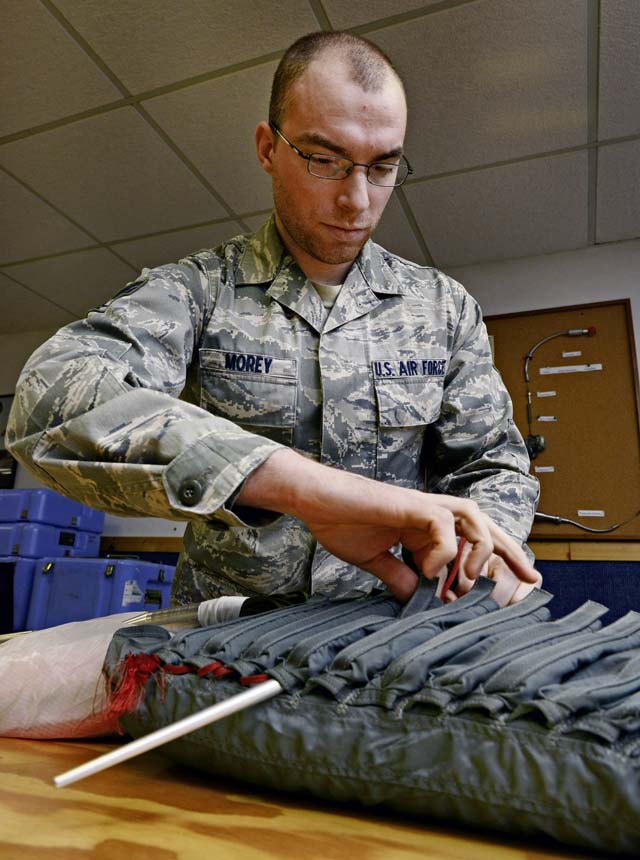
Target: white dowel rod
x=252, y=696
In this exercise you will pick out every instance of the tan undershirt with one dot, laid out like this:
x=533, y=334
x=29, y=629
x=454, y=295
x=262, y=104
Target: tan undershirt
x=328, y=293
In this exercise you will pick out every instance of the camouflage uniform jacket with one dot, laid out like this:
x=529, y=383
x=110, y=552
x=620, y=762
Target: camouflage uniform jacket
x=165, y=399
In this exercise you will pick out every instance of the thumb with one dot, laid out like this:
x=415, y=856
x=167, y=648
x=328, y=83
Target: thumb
x=396, y=575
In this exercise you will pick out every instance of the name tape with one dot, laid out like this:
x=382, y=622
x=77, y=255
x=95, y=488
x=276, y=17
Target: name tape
x=246, y=362
x=395, y=369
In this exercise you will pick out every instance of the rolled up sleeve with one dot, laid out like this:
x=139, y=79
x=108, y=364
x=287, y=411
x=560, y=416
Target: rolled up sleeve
x=98, y=413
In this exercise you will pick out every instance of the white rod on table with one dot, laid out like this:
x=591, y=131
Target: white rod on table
x=254, y=695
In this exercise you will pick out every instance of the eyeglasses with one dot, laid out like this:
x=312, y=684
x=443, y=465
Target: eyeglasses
x=324, y=166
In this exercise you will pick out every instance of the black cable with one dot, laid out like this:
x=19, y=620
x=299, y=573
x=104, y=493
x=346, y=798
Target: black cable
x=550, y=518
x=536, y=443
x=571, y=332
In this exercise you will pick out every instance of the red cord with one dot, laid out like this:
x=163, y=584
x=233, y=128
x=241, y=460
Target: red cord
x=210, y=667
x=170, y=669
x=454, y=570
x=128, y=680
x=249, y=680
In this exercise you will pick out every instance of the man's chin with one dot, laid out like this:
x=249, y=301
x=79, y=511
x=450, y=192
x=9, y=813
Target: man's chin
x=344, y=252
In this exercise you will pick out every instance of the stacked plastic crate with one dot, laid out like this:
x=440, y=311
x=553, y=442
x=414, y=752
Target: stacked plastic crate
x=51, y=572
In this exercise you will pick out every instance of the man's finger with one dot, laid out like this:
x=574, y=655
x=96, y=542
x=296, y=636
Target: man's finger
x=396, y=575
x=508, y=588
x=514, y=556
x=487, y=538
x=431, y=559
x=433, y=546
x=472, y=525
x=465, y=582
x=523, y=589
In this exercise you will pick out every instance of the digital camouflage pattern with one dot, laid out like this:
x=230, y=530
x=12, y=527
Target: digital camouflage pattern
x=395, y=382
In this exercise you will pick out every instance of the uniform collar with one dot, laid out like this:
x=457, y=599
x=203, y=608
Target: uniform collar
x=265, y=260
x=263, y=255
x=377, y=272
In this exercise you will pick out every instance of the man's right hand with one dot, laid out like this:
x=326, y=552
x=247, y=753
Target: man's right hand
x=359, y=520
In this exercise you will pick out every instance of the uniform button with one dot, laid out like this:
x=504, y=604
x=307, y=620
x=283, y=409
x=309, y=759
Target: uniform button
x=190, y=493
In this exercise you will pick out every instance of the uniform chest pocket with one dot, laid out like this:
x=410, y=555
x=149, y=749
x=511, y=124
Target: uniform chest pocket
x=405, y=407
x=256, y=391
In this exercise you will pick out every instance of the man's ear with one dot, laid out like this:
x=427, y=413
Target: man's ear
x=264, y=146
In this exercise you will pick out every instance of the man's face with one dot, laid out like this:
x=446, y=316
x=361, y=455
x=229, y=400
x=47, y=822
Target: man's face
x=325, y=223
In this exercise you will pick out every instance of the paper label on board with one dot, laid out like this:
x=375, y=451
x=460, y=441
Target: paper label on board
x=131, y=593
x=541, y=469
x=588, y=513
x=546, y=393
x=574, y=353
x=570, y=368
x=546, y=418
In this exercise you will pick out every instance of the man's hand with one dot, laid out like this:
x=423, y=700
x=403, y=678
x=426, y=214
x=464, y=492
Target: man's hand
x=508, y=587
x=359, y=520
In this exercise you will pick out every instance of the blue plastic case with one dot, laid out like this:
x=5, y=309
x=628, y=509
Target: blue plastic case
x=75, y=589
x=16, y=580
x=47, y=506
x=35, y=540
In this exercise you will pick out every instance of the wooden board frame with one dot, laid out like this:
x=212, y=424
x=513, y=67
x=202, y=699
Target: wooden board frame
x=594, y=445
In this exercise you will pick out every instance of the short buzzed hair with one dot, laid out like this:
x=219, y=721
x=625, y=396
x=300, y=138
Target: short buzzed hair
x=368, y=64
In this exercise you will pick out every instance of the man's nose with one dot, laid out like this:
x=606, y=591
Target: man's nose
x=354, y=190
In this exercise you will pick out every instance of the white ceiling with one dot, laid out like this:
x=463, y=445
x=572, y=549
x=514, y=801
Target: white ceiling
x=126, y=135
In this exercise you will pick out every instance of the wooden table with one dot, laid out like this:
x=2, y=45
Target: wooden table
x=151, y=809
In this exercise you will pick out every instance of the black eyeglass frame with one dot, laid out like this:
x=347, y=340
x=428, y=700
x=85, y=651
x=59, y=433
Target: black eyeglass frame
x=308, y=157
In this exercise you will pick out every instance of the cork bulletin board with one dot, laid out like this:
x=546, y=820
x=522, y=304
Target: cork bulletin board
x=7, y=463
x=584, y=404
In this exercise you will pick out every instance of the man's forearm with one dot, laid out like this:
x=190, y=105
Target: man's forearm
x=289, y=483
x=359, y=520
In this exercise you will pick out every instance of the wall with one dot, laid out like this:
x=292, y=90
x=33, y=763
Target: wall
x=597, y=274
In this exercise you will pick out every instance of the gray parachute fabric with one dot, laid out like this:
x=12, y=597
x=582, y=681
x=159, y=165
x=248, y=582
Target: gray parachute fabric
x=493, y=718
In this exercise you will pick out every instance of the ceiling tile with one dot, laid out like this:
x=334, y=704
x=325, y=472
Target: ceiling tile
x=619, y=79
x=170, y=247
x=492, y=80
x=22, y=310
x=149, y=44
x=534, y=207
x=29, y=227
x=214, y=124
x=488, y=81
x=254, y=222
x=76, y=282
x=619, y=192
x=17, y=346
x=113, y=174
x=34, y=91
x=346, y=13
